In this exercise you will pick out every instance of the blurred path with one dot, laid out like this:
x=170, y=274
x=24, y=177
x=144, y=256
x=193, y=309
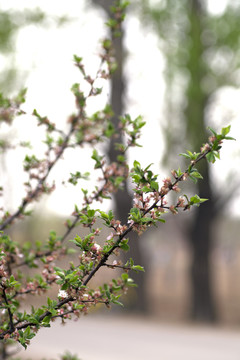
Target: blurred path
x=127, y=338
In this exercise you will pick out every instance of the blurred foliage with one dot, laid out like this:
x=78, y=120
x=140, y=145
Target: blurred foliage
x=11, y=21
x=202, y=55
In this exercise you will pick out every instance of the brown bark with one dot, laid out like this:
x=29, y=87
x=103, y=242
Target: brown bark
x=203, y=302
x=200, y=236
x=123, y=198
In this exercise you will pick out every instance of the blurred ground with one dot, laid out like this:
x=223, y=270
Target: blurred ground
x=98, y=337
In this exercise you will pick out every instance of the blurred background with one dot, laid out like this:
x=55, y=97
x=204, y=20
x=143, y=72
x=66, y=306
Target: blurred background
x=179, y=67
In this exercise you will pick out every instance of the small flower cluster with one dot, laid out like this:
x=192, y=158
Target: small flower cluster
x=150, y=202
x=10, y=108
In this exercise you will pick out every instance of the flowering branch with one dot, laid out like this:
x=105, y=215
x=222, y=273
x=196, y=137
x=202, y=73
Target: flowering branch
x=150, y=202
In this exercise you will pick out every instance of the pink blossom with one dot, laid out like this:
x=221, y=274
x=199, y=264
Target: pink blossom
x=110, y=236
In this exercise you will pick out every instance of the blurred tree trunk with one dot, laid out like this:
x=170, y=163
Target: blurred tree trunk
x=123, y=199
x=200, y=233
x=203, y=304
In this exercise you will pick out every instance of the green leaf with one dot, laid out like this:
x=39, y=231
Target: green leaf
x=146, y=189
x=185, y=155
x=121, y=158
x=211, y=157
x=196, y=174
x=137, y=268
x=124, y=246
x=65, y=286
x=225, y=131
x=196, y=200
x=107, y=44
x=124, y=276
x=46, y=321
x=77, y=58
x=22, y=341
x=97, y=158
x=146, y=220
x=214, y=132
x=110, y=130
x=229, y=138
x=114, y=301
x=161, y=220
x=136, y=164
x=154, y=185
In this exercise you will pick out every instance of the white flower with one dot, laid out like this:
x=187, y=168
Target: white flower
x=62, y=294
